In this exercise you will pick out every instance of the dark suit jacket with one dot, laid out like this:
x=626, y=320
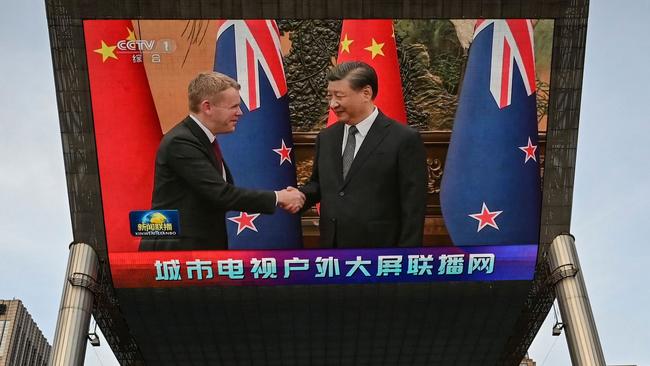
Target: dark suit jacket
x=187, y=179
x=383, y=198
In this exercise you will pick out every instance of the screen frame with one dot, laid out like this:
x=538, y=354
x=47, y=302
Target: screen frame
x=75, y=114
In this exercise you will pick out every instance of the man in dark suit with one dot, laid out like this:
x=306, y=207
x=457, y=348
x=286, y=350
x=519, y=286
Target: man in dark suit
x=192, y=177
x=369, y=171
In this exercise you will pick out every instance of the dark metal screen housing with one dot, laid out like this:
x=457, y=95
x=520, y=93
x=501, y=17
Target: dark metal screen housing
x=75, y=115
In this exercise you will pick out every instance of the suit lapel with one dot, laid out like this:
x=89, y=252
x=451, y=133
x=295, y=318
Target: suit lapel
x=375, y=135
x=335, y=147
x=202, y=138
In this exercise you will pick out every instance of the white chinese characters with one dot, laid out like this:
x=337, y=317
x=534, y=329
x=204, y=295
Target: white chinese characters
x=314, y=270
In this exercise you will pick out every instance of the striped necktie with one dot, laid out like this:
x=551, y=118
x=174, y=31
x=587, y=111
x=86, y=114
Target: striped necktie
x=348, y=153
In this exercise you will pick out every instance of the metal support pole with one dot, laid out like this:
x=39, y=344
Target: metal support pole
x=579, y=325
x=80, y=284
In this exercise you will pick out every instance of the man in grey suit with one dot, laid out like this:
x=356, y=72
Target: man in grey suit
x=192, y=177
x=369, y=171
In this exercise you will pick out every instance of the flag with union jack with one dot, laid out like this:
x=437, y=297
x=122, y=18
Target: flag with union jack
x=490, y=191
x=259, y=153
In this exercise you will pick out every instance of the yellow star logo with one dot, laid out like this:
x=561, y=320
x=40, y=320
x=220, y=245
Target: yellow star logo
x=131, y=36
x=106, y=52
x=345, y=44
x=375, y=48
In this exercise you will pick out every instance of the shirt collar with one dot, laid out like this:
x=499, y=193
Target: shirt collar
x=364, y=126
x=207, y=132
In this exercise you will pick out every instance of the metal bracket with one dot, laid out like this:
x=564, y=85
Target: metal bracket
x=84, y=280
x=562, y=272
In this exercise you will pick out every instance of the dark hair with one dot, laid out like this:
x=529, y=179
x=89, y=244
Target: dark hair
x=358, y=73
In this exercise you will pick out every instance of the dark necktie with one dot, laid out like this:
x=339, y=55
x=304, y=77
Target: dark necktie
x=218, y=155
x=348, y=152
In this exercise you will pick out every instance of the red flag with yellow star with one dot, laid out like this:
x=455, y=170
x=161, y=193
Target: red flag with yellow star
x=373, y=42
x=127, y=130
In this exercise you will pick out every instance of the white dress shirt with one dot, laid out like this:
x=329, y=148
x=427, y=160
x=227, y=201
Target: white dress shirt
x=363, y=127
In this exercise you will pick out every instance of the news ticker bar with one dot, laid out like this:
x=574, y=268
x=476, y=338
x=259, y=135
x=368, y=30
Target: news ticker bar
x=322, y=266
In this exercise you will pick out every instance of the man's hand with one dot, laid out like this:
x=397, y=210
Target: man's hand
x=291, y=199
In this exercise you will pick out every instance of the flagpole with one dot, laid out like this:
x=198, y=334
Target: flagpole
x=571, y=292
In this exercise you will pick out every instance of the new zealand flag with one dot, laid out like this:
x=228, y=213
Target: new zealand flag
x=259, y=153
x=490, y=191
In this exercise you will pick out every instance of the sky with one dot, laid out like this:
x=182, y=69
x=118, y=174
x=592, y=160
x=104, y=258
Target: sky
x=609, y=202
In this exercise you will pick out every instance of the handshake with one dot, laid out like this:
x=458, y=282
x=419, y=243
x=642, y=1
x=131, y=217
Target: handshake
x=290, y=199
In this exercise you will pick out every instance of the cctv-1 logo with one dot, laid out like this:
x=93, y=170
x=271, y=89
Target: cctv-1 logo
x=146, y=45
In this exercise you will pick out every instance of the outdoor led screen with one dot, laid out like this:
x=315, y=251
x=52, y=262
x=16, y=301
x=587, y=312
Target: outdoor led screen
x=486, y=81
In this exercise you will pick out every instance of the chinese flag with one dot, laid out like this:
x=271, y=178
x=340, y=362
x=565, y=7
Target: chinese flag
x=373, y=42
x=127, y=131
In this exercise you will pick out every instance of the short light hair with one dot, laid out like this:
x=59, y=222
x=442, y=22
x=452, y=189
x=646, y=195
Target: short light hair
x=207, y=85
